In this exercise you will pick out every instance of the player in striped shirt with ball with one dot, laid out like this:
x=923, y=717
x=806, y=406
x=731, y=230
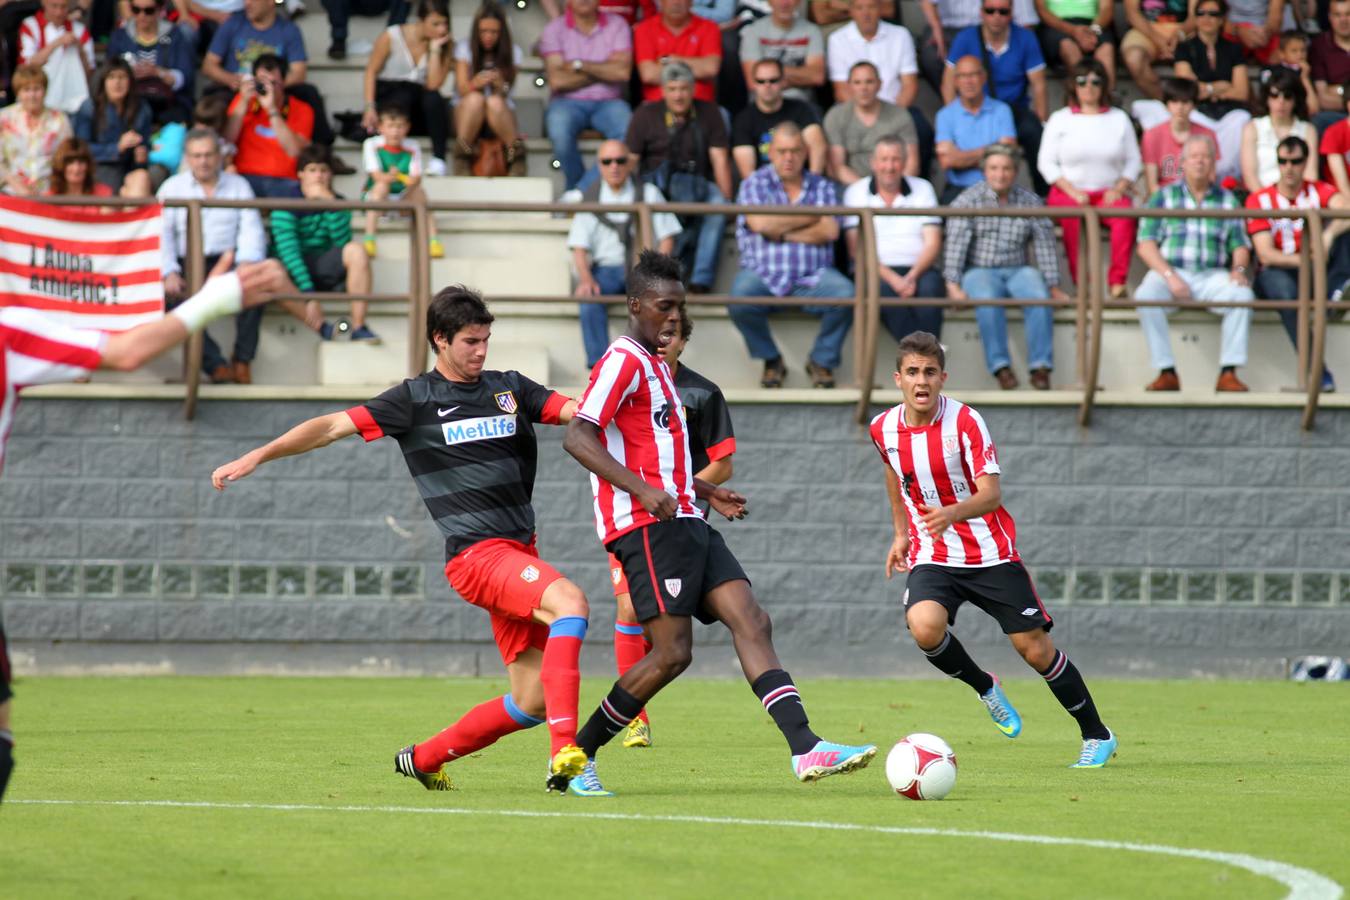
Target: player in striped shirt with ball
x=631, y=432
x=958, y=544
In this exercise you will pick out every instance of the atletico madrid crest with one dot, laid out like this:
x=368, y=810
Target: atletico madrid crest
x=530, y=574
x=506, y=401
x=673, y=586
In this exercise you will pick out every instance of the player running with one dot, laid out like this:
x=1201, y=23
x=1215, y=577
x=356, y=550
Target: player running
x=36, y=349
x=630, y=431
x=712, y=442
x=467, y=436
x=956, y=540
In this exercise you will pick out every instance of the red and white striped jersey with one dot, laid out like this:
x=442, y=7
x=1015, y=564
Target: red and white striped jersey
x=36, y=350
x=937, y=465
x=633, y=401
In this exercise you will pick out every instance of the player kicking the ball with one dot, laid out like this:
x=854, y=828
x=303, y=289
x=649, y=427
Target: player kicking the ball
x=630, y=432
x=37, y=349
x=467, y=436
x=956, y=540
x=712, y=443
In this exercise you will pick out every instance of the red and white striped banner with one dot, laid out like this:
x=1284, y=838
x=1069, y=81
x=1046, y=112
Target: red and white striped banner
x=86, y=268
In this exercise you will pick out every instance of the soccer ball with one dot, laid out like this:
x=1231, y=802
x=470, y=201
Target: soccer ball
x=921, y=767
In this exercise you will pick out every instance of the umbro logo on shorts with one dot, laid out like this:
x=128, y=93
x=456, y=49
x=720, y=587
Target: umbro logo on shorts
x=1030, y=611
x=673, y=586
x=530, y=574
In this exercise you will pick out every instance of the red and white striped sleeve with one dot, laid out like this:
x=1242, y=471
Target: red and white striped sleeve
x=616, y=376
x=29, y=39
x=39, y=350
x=980, y=456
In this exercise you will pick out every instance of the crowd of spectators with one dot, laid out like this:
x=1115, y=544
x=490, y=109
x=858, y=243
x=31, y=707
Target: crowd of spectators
x=762, y=102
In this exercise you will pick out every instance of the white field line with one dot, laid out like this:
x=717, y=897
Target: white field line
x=1303, y=884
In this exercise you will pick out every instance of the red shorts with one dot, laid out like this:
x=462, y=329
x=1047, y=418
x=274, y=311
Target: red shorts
x=506, y=578
x=616, y=576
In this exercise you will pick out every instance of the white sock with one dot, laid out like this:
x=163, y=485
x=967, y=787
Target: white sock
x=220, y=296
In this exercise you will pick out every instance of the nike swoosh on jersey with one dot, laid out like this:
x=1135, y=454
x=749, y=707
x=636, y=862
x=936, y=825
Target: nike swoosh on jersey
x=446, y=412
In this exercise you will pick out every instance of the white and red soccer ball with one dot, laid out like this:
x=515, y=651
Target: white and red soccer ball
x=921, y=767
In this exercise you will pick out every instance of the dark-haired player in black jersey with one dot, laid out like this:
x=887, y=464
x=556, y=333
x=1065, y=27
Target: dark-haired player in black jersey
x=467, y=436
x=712, y=442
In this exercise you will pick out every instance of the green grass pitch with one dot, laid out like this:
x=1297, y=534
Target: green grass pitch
x=1244, y=768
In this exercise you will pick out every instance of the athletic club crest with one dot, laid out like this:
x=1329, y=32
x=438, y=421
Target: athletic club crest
x=673, y=586
x=950, y=443
x=506, y=401
x=530, y=574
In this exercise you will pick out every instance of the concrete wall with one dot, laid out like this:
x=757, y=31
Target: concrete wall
x=1165, y=541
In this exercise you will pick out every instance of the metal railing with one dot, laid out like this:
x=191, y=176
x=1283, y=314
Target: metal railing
x=1089, y=303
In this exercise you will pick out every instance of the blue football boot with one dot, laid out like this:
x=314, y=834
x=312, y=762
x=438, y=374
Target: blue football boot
x=1001, y=709
x=1096, y=752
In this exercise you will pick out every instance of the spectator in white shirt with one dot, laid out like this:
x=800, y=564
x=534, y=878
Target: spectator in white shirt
x=908, y=247
x=890, y=48
x=1090, y=157
x=602, y=244
x=229, y=237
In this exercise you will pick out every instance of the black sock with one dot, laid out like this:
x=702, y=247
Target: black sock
x=1228, y=370
x=6, y=759
x=610, y=717
x=1169, y=370
x=780, y=698
x=1066, y=683
x=950, y=658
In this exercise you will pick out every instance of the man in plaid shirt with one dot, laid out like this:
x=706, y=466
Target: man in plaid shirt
x=1205, y=259
x=789, y=256
x=987, y=258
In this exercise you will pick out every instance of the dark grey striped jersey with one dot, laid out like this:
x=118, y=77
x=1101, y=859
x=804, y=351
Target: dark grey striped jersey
x=470, y=448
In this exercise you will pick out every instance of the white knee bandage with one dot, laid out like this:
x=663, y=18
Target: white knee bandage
x=220, y=296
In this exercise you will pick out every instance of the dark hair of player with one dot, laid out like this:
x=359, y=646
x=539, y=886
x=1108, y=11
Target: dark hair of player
x=1295, y=143
x=453, y=308
x=392, y=110
x=921, y=343
x=652, y=269
x=272, y=63
x=686, y=325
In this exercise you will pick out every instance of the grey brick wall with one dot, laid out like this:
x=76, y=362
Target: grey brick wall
x=1167, y=540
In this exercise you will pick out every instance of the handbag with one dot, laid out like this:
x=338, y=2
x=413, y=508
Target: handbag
x=491, y=159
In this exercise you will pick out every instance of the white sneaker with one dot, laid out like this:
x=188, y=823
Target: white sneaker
x=435, y=167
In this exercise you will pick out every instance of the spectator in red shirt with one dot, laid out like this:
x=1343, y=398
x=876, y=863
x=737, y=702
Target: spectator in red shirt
x=269, y=128
x=678, y=36
x=1278, y=241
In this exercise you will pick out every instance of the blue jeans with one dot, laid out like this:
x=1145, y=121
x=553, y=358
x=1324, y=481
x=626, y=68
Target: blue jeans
x=565, y=119
x=1279, y=283
x=752, y=320
x=903, y=320
x=1011, y=281
x=699, y=245
x=594, y=316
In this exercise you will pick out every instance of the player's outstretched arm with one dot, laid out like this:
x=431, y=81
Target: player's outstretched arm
x=724, y=500
x=583, y=442
x=309, y=435
x=897, y=558
x=249, y=285
x=988, y=497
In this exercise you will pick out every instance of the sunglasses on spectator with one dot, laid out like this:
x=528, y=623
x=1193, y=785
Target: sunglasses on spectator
x=1280, y=95
x=767, y=80
x=1085, y=80
x=1209, y=14
x=1291, y=160
x=144, y=10
x=998, y=10
x=613, y=161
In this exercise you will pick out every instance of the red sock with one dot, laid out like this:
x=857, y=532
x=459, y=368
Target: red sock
x=630, y=646
x=561, y=678
x=480, y=727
